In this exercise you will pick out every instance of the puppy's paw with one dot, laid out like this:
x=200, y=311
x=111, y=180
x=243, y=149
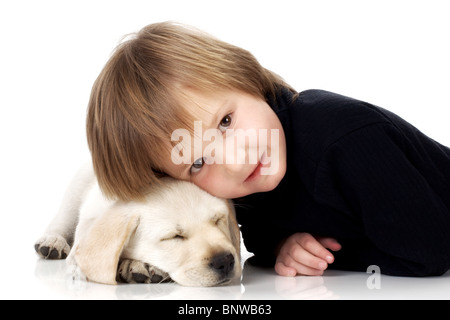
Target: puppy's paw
x=52, y=247
x=134, y=271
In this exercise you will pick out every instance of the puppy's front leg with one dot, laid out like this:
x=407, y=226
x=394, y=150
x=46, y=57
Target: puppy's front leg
x=134, y=271
x=56, y=241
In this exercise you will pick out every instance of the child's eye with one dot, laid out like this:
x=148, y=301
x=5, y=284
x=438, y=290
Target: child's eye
x=197, y=165
x=225, y=123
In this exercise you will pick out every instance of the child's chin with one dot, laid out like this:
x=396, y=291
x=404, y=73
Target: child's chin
x=270, y=182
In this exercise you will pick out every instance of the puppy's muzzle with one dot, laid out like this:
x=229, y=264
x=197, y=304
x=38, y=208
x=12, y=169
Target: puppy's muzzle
x=223, y=265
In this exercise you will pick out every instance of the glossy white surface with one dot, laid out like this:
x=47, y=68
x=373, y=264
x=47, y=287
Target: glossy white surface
x=40, y=279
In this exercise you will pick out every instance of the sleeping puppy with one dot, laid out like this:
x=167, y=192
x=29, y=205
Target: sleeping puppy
x=179, y=231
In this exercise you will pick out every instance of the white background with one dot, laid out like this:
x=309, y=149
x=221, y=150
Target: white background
x=392, y=53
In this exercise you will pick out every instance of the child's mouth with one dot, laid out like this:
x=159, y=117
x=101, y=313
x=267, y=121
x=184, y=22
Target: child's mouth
x=257, y=172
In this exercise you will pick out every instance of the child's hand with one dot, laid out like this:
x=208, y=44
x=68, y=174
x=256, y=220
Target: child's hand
x=302, y=254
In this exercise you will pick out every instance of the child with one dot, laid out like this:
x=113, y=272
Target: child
x=318, y=179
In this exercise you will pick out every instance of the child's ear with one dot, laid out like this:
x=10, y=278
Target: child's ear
x=98, y=252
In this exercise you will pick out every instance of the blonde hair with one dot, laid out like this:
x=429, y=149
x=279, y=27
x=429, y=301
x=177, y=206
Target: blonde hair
x=135, y=102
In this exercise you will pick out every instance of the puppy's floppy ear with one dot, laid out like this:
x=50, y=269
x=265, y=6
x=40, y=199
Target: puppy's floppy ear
x=98, y=252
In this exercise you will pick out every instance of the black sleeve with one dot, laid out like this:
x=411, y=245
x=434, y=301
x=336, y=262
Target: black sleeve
x=397, y=188
x=261, y=239
x=261, y=230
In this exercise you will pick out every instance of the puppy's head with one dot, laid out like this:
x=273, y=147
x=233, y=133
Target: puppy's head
x=179, y=229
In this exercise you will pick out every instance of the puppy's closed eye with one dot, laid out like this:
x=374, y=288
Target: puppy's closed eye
x=177, y=233
x=174, y=237
x=218, y=218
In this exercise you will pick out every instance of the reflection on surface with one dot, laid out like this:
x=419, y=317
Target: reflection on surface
x=260, y=282
x=54, y=274
x=256, y=283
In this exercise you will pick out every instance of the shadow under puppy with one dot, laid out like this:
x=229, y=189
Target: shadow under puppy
x=179, y=232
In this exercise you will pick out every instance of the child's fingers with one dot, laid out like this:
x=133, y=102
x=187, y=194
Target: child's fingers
x=299, y=252
x=330, y=243
x=307, y=258
x=284, y=270
x=303, y=254
x=314, y=247
x=295, y=268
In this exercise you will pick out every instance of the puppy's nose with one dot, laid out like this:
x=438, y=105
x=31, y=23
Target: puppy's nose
x=222, y=263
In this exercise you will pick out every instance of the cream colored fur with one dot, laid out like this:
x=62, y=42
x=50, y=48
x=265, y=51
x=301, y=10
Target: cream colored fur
x=179, y=230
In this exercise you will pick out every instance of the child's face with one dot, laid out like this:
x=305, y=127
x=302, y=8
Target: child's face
x=238, y=146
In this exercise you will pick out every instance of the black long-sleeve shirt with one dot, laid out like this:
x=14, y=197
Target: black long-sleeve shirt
x=362, y=175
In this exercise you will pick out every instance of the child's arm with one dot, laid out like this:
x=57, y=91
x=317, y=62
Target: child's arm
x=303, y=254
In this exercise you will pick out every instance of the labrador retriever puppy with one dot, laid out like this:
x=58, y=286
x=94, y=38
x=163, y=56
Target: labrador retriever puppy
x=179, y=232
